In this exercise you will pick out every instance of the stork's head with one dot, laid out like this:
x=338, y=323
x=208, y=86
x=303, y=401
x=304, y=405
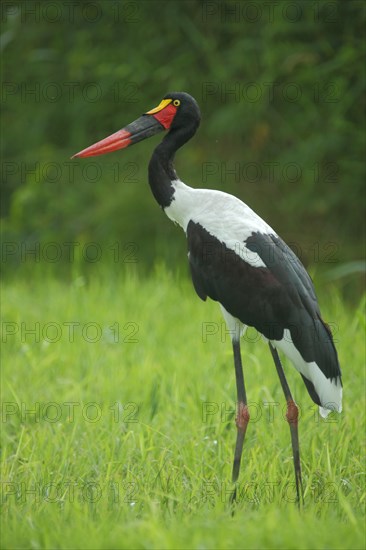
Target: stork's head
x=176, y=110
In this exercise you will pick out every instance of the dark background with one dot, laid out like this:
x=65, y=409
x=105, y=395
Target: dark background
x=281, y=87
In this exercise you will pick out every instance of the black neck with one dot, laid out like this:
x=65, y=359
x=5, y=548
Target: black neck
x=161, y=168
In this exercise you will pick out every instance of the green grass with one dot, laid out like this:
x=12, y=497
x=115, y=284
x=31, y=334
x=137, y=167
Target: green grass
x=131, y=438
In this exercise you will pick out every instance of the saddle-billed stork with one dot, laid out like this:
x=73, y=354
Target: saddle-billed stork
x=238, y=260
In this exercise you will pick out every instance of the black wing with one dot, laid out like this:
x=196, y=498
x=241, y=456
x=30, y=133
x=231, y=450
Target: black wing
x=271, y=299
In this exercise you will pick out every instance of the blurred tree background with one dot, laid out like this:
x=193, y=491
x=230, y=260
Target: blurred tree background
x=281, y=87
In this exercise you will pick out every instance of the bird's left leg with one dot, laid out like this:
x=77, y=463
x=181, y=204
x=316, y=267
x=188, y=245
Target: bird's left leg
x=292, y=419
x=242, y=418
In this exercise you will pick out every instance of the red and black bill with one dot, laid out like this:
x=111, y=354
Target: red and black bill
x=149, y=124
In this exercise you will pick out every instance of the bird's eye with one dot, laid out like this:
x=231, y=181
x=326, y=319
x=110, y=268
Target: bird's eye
x=176, y=102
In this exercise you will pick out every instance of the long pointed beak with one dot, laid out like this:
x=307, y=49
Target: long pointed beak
x=147, y=125
x=140, y=129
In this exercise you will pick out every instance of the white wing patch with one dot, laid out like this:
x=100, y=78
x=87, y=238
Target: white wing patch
x=225, y=217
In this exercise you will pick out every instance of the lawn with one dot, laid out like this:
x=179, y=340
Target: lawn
x=118, y=398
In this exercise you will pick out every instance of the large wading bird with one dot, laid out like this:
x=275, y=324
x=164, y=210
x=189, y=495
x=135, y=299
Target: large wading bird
x=238, y=260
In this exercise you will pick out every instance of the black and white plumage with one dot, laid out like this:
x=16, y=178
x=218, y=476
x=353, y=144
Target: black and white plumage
x=238, y=260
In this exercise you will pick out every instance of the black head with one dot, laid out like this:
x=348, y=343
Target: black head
x=188, y=111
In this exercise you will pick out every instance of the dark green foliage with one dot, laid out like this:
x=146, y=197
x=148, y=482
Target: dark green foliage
x=281, y=87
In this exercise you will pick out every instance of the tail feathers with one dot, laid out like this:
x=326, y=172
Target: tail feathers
x=311, y=390
x=324, y=412
x=324, y=379
x=325, y=392
x=314, y=341
x=328, y=356
x=331, y=395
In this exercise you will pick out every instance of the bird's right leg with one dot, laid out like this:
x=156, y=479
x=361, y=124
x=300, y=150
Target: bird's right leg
x=242, y=418
x=292, y=419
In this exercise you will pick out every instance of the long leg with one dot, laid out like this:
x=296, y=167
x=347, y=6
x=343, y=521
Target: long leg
x=292, y=419
x=242, y=418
